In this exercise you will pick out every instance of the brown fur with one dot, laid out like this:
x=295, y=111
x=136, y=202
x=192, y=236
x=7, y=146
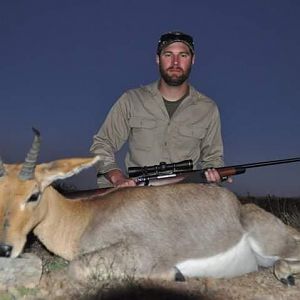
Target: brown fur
x=141, y=231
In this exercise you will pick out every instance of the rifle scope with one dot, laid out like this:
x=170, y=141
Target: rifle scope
x=160, y=169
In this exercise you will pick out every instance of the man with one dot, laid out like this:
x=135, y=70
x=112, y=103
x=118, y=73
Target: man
x=166, y=121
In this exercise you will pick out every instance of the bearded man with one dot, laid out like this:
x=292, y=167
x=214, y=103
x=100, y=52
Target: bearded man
x=165, y=121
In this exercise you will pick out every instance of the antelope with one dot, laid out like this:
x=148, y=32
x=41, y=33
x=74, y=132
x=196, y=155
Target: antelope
x=169, y=232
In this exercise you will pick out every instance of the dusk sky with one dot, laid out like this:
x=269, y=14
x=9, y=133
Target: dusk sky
x=65, y=63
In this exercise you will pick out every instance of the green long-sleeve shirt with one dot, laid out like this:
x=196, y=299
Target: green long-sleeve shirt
x=140, y=117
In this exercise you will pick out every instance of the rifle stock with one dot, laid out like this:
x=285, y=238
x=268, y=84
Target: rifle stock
x=230, y=171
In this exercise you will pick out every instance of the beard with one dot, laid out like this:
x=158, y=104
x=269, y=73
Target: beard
x=174, y=79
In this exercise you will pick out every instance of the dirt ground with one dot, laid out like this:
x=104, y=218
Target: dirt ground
x=260, y=285
x=255, y=286
x=54, y=284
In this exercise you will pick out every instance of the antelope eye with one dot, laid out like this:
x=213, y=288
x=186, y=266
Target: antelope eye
x=34, y=197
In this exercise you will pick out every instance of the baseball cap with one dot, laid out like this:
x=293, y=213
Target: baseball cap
x=175, y=36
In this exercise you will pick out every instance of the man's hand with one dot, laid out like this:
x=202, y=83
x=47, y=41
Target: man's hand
x=213, y=176
x=118, y=179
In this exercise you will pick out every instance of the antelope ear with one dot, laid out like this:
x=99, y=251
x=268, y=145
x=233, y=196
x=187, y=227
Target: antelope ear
x=63, y=168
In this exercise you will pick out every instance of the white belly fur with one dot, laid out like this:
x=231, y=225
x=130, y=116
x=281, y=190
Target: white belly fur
x=235, y=261
x=262, y=259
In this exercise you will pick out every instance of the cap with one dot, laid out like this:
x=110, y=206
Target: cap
x=172, y=37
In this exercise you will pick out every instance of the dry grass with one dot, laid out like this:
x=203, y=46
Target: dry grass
x=286, y=209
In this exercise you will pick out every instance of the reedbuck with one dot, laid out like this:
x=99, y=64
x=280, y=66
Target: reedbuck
x=169, y=232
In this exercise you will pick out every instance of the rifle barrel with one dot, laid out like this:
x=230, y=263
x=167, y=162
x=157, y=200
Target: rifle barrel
x=268, y=163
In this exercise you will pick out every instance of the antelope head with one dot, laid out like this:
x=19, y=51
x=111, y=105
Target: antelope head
x=23, y=188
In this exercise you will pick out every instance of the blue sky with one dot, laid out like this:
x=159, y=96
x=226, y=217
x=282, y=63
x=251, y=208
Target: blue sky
x=64, y=64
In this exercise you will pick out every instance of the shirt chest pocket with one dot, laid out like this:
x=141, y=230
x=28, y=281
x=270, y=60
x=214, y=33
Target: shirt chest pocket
x=189, y=138
x=142, y=132
x=192, y=131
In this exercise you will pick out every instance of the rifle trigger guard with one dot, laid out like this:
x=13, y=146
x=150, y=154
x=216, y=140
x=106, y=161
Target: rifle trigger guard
x=224, y=178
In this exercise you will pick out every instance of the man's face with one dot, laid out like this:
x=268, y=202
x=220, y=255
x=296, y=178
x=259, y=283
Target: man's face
x=175, y=63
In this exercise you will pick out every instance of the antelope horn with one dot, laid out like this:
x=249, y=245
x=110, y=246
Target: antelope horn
x=2, y=169
x=27, y=171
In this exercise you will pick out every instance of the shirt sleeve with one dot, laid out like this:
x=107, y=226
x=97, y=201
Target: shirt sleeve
x=112, y=135
x=212, y=146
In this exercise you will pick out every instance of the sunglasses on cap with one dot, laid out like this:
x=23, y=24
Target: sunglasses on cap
x=172, y=37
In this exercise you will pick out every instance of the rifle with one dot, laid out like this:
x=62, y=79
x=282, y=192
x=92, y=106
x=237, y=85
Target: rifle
x=185, y=168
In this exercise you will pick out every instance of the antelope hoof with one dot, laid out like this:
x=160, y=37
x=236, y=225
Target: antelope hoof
x=179, y=276
x=290, y=280
x=284, y=273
